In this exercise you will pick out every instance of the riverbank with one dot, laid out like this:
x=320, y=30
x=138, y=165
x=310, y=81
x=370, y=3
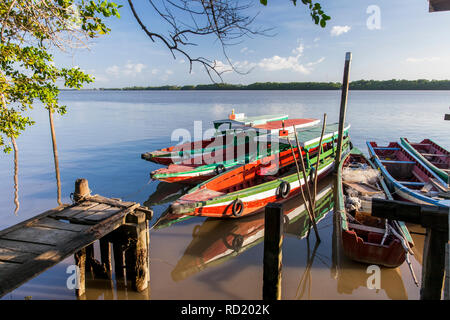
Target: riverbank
x=393, y=84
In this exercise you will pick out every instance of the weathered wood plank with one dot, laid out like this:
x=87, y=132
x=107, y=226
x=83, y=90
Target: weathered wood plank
x=70, y=212
x=24, y=246
x=6, y=267
x=101, y=215
x=98, y=208
x=56, y=224
x=8, y=255
x=34, y=219
x=40, y=235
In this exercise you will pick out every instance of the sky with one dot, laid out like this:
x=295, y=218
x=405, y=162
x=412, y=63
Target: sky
x=389, y=39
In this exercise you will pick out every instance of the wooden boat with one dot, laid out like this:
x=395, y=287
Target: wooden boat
x=217, y=241
x=206, y=166
x=229, y=132
x=432, y=154
x=247, y=189
x=407, y=177
x=365, y=238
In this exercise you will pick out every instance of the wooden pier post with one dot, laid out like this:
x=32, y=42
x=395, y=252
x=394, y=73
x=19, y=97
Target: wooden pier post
x=273, y=241
x=343, y=110
x=435, y=220
x=80, y=262
x=81, y=190
x=119, y=260
x=433, y=265
x=105, y=254
x=136, y=255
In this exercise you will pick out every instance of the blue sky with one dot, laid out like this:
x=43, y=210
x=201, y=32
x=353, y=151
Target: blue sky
x=410, y=43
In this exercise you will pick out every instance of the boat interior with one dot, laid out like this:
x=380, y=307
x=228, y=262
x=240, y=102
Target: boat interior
x=361, y=183
x=433, y=153
x=404, y=168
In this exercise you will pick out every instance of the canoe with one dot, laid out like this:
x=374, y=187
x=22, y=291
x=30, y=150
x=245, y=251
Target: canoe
x=245, y=189
x=432, y=154
x=217, y=241
x=223, y=139
x=365, y=238
x=206, y=166
x=407, y=177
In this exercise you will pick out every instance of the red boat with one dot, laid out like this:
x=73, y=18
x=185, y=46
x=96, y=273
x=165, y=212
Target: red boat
x=365, y=238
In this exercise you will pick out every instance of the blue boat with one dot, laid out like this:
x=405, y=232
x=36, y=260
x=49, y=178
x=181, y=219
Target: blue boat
x=408, y=178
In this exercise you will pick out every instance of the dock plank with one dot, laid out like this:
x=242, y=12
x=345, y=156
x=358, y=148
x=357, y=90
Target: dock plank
x=101, y=215
x=40, y=235
x=8, y=255
x=23, y=246
x=70, y=212
x=85, y=213
x=57, y=224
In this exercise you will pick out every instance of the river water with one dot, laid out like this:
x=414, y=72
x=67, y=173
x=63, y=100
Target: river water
x=101, y=139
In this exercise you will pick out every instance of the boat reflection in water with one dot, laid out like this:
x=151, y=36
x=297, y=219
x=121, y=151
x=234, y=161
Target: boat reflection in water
x=218, y=240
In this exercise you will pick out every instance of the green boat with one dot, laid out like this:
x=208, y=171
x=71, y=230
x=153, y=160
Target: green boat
x=433, y=155
x=193, y=173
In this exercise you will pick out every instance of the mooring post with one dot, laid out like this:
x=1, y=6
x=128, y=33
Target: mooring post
x=435, y=220
x=273, y=241
x=80, y=262
x=343, y=109
x=105, y=255
x=136, y=255
x=433, y=265
x=119, y=261
x=81, y=190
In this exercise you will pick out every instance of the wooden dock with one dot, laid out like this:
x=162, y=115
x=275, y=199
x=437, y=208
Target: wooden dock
x=32, y=246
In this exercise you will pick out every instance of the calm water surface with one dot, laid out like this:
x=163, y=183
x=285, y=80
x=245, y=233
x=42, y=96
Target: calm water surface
x=102, y=137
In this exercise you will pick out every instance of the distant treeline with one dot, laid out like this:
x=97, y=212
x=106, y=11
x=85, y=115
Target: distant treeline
x=420, y=84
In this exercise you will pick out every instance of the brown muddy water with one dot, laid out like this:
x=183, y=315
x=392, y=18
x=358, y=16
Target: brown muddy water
x=101, y=139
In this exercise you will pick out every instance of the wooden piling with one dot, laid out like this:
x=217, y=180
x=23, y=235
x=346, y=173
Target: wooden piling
x=119, y=260
x=273, y=240
x=105, y=255
x=80, y=262
x=136, y=255
x=433, y=265
x=343, y=109
x=81, y=190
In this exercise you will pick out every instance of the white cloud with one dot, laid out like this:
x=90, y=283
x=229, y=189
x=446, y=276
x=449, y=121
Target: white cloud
x=155, y=71
x=293, y=63
x=338, y=30
x=316, y=39
x=169, y=72
x=129, y=69
x=417, y=60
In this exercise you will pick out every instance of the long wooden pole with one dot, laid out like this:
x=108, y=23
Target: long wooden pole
x=55, y=156
x=308, y=204
x=324, y=125
x=308, y=191
x=343, y=110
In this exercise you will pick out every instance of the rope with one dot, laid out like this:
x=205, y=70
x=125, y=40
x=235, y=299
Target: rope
x=139, y=190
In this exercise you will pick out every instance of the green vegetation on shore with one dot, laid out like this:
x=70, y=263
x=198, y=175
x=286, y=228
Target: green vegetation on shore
x=420, y=84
